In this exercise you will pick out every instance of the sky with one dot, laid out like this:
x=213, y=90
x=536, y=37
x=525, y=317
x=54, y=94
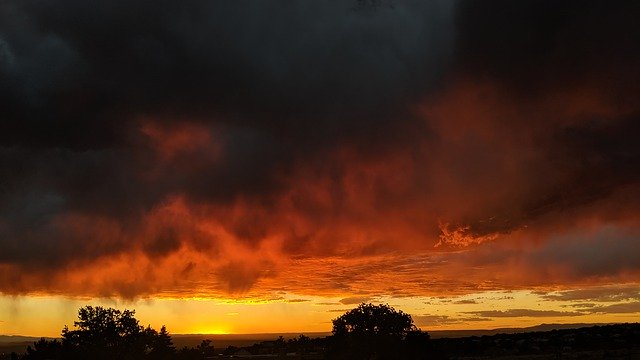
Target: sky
x=251, y=167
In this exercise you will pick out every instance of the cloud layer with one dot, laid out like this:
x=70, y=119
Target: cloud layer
x=198, y=148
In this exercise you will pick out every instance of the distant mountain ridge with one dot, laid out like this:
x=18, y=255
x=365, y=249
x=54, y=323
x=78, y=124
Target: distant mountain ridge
x=435, y=334
x=20, y=338
x=288, y=335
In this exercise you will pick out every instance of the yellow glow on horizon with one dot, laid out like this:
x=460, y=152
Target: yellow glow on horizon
x=211, y=331
x=292, y=313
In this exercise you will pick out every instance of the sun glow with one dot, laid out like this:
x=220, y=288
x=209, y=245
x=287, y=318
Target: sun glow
x=211, y=329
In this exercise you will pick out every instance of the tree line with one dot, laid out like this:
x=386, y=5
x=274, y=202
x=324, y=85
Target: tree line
x=106, y=333
x=366, y=332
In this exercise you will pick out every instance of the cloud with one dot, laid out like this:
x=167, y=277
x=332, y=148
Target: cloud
x=438, y=320
x=433, y=320
x=592, y=250
x=355, y=300
x=239, y=149
x=600, y=294
x=522, y=313
x=622, y=308
x=241, y=276
x=580, y=305
x=338, y=310
x=465, y=301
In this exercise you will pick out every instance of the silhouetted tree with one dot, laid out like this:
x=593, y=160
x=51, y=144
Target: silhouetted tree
x=373, y=320
x=105, y=333
x=418, y=346
x=301, y=344
x=230, y=350
x=189, y=354
x=160, y=344
x=371, y=331
x=44, y=349
x=206, y=349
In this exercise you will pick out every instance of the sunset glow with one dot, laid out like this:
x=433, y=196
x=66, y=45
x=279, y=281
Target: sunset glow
x=263, y=168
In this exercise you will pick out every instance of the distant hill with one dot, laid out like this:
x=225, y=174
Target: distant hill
x=594, y=342
x=19, y=338
x=436, y=334
x=239, y=340
x=18, y=343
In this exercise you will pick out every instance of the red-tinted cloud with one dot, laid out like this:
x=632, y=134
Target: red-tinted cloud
x=320, y=152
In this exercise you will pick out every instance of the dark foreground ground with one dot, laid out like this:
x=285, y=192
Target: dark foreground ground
x=618, y=341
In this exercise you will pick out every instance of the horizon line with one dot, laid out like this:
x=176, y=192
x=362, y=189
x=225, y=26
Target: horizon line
x=328, y=333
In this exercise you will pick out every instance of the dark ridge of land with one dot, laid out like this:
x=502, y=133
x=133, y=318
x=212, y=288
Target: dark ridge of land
x=224, y=340
x=253, y=338
x=17, y=343
x=19, y=338
x=611, y=341
x=437, y=334
x=238, y=340
x=546, y=341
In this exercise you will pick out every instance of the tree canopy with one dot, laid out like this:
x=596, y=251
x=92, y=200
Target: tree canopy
x=376, y=331
x=374, y=320
x=366, y=332
x=106, y=333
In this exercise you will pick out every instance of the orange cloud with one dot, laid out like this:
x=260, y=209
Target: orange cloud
x=484, y=197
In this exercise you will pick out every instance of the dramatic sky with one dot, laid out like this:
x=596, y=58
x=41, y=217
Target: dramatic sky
x=262, y=166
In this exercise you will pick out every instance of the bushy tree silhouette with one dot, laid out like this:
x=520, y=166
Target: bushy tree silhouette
x=160, y=344
x=373, y=320
x=105, y=333
x=206, y=349
x=375, y=331
x=44, y=349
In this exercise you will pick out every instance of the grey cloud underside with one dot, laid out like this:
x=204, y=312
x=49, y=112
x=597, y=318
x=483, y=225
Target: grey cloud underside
x=284, y=84
x=430, y=320
x=598, y=294
x=522, y=313
x=620, y=308
x=582, y=254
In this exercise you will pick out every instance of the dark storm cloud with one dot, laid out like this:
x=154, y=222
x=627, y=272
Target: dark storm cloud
x=535, y=53
x=606, y=253
x=566, y=257
x=288, y=67
x=273, y=81
x=285, y=78
x=157, y=126
x=533, y=45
